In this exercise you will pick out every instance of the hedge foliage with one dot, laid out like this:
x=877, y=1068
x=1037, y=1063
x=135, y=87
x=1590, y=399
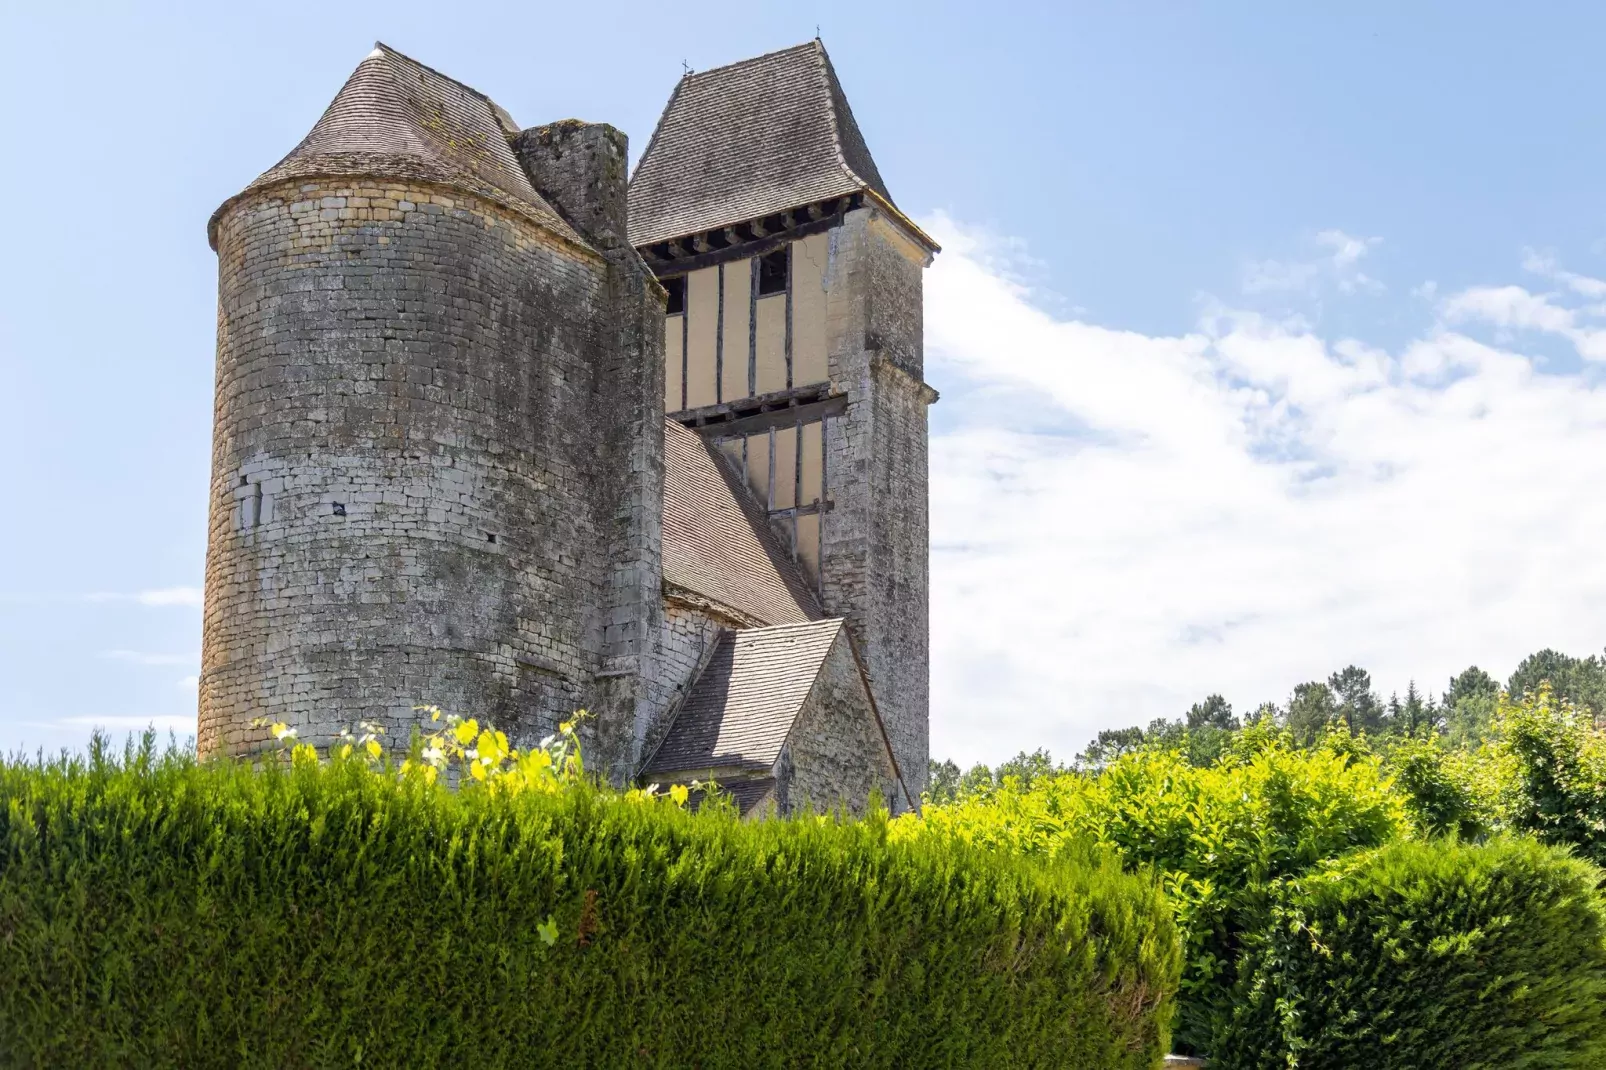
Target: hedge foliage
x=158, y=912
x=1219, y=837
x=1428, y=955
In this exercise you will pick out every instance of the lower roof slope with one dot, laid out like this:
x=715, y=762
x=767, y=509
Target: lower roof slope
x=742, y=707
x=718, y=542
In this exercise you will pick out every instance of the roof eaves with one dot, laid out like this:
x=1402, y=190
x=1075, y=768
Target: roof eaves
x=904, y=221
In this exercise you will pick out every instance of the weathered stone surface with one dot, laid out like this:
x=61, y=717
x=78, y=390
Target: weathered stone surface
x=409, y=502
x=580, y=169
x=439, y=454
x=875, y=541
x=836, y=754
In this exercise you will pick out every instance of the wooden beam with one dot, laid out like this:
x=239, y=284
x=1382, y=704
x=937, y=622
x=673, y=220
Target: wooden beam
x=694, y=251
x=750, y=416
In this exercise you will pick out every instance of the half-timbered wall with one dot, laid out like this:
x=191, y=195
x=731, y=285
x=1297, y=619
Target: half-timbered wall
x=733, y=342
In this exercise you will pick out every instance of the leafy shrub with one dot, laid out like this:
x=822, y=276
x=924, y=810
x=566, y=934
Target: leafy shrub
x=1428, y=955
x=158, y=912
x=1440, y=789
x=1219, y=836
x=1553, y=762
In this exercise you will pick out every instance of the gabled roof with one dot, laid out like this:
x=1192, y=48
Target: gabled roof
x=395, y=117
x=743, y=705
x=717, y=541
x=740, y=142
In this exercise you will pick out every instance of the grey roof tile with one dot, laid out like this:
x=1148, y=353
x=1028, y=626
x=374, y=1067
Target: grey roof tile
x=395, y=117
x=743, y=141
x=746, y=793
x=742, y=707
x=717, y=539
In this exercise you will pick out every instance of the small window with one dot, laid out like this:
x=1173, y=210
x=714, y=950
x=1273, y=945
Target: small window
x=677, y=295
x=773, y=271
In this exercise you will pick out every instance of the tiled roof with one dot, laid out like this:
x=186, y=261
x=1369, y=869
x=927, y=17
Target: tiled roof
x=744, y=141
x=395, y=117
x=742, y=707
x=746, y=794
x=717, y=539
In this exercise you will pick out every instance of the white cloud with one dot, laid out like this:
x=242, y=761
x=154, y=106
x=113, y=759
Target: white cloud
x=1337, y=263
x=1515, y=308
x=1543, y=264
x=189, y=683
x=1122, y=524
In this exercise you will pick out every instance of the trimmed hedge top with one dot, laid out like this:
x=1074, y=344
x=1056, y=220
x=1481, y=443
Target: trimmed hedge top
x=159, y=912
x=1429, y=955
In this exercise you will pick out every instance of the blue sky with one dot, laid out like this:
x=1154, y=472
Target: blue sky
x=1268, y=339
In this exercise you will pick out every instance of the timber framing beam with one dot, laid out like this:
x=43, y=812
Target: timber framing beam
x=752, y=238
x=751, y=416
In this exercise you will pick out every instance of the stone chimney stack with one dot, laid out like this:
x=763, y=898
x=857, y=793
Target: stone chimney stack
x=581, y=169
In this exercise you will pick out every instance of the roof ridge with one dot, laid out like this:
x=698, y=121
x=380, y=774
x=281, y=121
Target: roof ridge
x=821, y=622
x=380, y=46
x=750, y=59
x=504, y=119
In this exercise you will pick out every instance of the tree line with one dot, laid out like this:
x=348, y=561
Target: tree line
x=1458, y=717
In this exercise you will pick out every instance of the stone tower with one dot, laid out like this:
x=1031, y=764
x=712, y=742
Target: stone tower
x=437, y=457
x=793, y=343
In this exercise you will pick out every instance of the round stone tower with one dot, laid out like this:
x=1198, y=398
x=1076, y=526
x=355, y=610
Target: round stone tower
x=422, y=464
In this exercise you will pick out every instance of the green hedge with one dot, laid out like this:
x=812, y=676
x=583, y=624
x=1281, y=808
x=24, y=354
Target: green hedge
x=158, y=912
x=1428, y=955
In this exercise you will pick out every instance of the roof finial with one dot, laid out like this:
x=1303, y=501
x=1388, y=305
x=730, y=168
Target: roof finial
x=816, y=31
x=685, y=69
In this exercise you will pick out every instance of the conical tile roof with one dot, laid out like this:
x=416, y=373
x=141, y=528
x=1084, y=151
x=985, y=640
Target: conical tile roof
x=396, y=118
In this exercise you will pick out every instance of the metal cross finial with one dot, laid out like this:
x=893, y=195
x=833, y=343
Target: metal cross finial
x=685, y=68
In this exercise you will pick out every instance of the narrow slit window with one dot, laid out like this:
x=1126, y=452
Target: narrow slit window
x=773, y=270
x=677, y=295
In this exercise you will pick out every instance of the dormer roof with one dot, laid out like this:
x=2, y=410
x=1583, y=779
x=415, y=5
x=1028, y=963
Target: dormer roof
x=396, y=118
x=744, y=703
x=745, y=141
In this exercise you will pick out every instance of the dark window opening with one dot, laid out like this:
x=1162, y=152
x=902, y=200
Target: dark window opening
x=772, y=271
x=677, y=295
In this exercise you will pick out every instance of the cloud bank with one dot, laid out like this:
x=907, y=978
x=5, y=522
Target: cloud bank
x=1122, y=524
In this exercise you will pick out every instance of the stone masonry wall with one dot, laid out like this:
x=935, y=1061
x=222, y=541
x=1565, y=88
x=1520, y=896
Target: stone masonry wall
x=686, y=638
x=580, y=168
x=835, y=755
x=405, y=492
x=875, y=541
